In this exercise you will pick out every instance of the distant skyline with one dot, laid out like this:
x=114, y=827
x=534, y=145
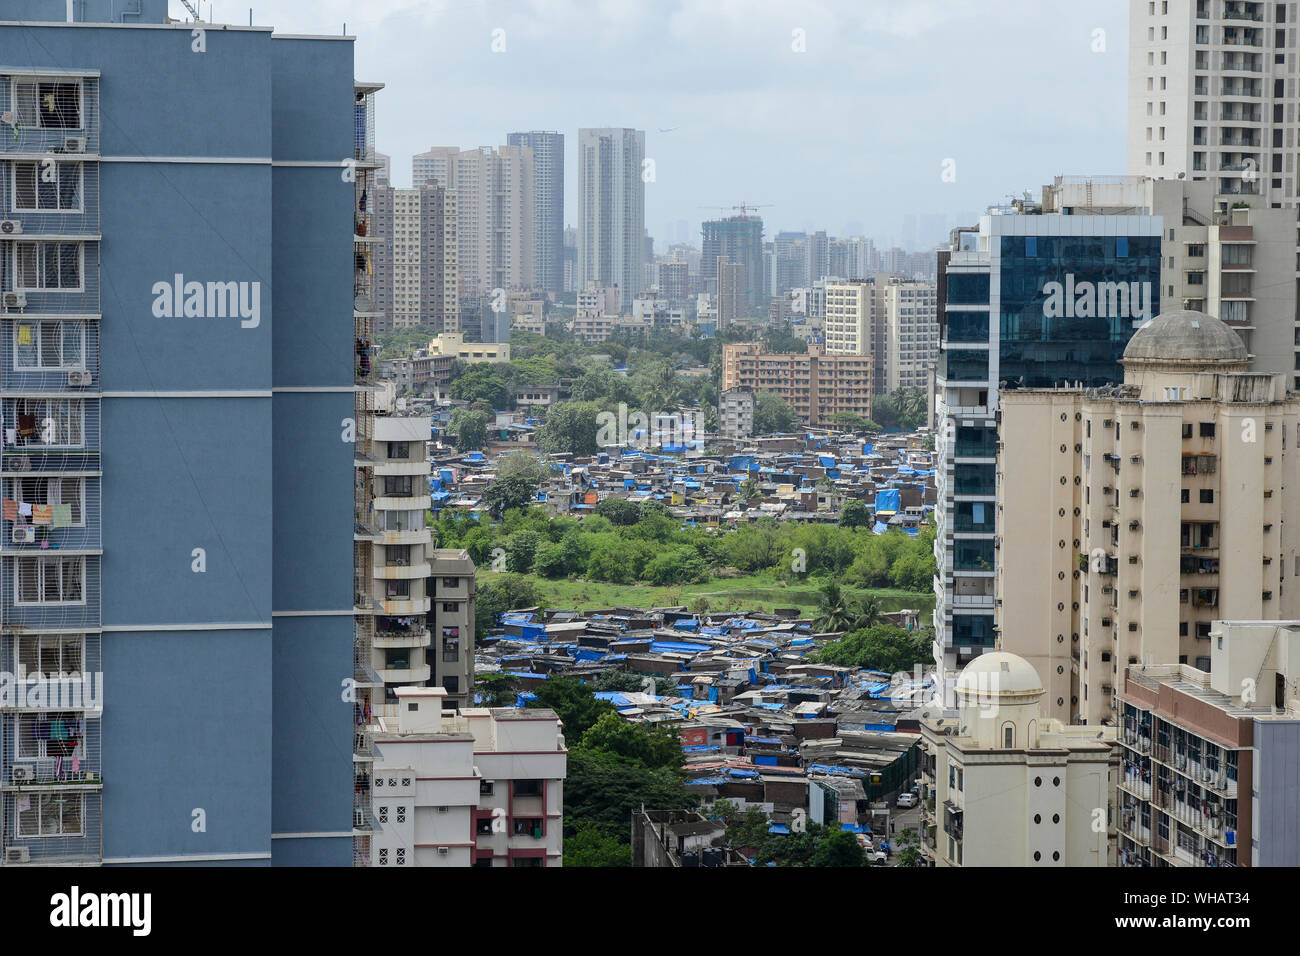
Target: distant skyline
x=849, y=136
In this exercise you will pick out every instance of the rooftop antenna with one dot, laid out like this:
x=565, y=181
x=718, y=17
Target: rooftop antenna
x=193, y=12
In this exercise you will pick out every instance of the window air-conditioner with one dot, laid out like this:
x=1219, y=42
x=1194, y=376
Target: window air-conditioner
x=15, y=300
x=24, y=536
x=18, y=854
x=443, y=809
x=10, y=227
x=24, y=773
x=443, y=851
x=80, y=377
x=74, y=144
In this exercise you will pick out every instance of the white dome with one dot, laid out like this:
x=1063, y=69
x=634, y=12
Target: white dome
x=999, y=676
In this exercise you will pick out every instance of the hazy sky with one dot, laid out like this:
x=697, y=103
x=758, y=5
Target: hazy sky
x=850, y=135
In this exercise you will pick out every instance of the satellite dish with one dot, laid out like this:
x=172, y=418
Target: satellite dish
x=1182, y=175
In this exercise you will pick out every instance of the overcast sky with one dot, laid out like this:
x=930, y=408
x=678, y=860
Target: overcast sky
x=849, y=136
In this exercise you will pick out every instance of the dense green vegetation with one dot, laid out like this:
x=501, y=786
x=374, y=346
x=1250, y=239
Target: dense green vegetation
x=809, y=845
x=614, y=768
x=625, y=543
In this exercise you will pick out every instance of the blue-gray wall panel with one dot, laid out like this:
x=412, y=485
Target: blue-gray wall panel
x=313, y=509
x=181, y=474
x=313, y=725
x=1277, y=748
x=209, y=223
x=313, y=337
x=185, y=720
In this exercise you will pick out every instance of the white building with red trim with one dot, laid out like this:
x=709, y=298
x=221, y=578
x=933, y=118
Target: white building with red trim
x=477, y=787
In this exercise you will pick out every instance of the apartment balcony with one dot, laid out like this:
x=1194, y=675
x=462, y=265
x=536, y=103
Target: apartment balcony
x=58, y=749
x=1133, y=784
x=407, y=637
x=402, y=606
x=51, y=590
x=404, y=675
x=52, y=433
x=49, y=354
x=410, y=503
x=52, y=826
x=398, y=572
x=402, y=466
x=1129, y=827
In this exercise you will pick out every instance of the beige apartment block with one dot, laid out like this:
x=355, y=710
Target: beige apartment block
x=850, y=318
x=1006, y=785
x=815, y=385
x=909, y=315
x=1131, y=517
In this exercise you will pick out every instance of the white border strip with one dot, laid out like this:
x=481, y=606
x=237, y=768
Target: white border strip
x=350, y=612
x=231, y=626
x=322, y=389
x=202, y=160
x=250, y=393
x=313, y=836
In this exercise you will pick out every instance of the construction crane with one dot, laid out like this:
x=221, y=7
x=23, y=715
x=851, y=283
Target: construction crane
x=743, y=207
x=193, y=12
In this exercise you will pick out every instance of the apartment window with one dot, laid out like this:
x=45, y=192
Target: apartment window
x=1187, y=496
x=1207, y=429
x=528, y=788
x=451, y=582
x=1187, y=428
x=399, y=449
x=397, y=555
x=47, y=266
x=485, y=788
x=450, y=644
x=55, y=188
x=451, y=684
x=1207, y=496
x=49, y=654
x=49, y=422
x=400, y=588
x=52, y=491
x=47, y=580
x=47, y=104
x=397, y=486
x=450, y=607
x=49, y=815
x=49, y=345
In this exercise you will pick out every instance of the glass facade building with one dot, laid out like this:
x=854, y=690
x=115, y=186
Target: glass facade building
x=1026, y=301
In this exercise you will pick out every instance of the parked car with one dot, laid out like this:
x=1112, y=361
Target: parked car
x=877, y=857
x=907, y=800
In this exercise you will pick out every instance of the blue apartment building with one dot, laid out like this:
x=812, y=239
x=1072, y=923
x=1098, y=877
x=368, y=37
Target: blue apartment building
x=1026, y=300
x=177, y=381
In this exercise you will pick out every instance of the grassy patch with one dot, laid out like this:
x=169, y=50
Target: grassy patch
x=748, y=592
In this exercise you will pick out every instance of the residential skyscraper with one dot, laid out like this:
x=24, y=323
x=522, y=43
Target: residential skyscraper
x=495, y=213
x=1212, y=95
x=140, y=326
x=740, y=239
x=548, y=205
x=611, y=209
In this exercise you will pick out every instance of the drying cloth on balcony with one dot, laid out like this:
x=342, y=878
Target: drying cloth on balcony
x=26, y=425
x=24, y=803
x=25, y=509
x=11, y=436
x=63, y=516
x=58, y=730
x=42, y=514
x=10, y=510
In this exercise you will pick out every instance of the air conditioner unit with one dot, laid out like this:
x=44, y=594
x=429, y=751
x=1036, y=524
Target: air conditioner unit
x=74, y=144
x=18, y=854
x=443, y=851
x=10, y=227
x=15, y=300
x=21, y=463
x=79, y=378
x=24, y=536
x=24, y=773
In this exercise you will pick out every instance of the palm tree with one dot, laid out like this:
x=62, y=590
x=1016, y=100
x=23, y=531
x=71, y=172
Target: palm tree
x=833, y=611
x=869, y=611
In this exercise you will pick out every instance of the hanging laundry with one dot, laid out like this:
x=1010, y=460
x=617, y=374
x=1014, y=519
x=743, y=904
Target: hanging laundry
x=27, y=426
x=63, y=516
x=25, y=509
x=11, y=436
x=24, y=803
x=10, y=510
x=42, y=514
